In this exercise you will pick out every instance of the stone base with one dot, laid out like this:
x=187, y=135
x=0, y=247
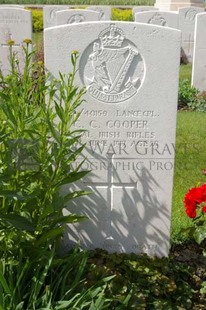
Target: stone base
x=169, y=5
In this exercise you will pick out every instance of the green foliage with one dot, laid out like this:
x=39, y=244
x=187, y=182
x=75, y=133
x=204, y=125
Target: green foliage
x=39, y=145
x=141, y=282
x=37, y=20
x=200, y=103
x=190, y=97
x=49, y=282
x=187, y=94
x=37, y=153
x=122, y=14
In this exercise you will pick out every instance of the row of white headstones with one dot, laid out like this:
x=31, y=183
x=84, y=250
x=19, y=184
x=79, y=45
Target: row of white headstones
x=131, y=72
x=183, y=20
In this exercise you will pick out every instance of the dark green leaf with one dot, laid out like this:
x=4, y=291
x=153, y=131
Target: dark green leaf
x=73, y=177
x=4, y=284
x=200, y=234
x=76, y=194
x=17, y=221
x=50, y=234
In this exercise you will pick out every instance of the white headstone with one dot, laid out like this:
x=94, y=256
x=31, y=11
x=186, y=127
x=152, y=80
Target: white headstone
x=49, y=14
x=75, y=16
x=3, y=6
x=15, y=25
x=130, y=115
x=187, y=26
x=104, y=11
x=174, y=5
x=199, y=57
x=143, y=8
x=160, y=18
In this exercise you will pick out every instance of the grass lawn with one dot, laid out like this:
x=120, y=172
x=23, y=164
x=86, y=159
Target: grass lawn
x=189, y=162
x=185, y=72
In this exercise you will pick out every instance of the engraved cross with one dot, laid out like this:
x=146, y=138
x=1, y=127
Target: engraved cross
x=6, y=44
x=110, y=185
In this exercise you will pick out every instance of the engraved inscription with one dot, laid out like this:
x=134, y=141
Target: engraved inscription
x=77, y=18
x=190, y=15
x=122, y=132
x=114, y=69
x=157, y=19
x=12, y=19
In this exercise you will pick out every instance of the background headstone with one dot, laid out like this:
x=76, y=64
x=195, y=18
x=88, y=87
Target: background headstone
x=3, y=6
x=174, y=5
x=15, y=25
x=104, y=11
x=75, y=16
x=165, y=19
x=49, y=14
x=187, y=26
x=130, y=114
x=199, y=58
x=142, y=8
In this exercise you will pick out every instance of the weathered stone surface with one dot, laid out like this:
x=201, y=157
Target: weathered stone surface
x=184, y=20
x=143, y=8
x=199, y=58
x=104, y=11
x=187, y=26
x=15, y=25
x=165, y=19
x=130, y=115
x=75, y=16
x=49, y=12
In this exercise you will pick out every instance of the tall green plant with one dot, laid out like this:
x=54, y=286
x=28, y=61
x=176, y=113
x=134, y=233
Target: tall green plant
x=38, y=146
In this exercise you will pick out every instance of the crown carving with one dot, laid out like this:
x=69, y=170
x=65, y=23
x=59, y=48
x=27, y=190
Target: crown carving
x=112, y=37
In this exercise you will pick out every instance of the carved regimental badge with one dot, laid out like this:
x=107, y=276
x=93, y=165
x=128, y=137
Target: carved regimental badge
x=112, y=67
x=157, y=19
x=190, y=15
x=76, y=18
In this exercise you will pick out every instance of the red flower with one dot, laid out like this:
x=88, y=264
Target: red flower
x=195, y=196
x=191, y=210
x=204, y=209
x=203, y=189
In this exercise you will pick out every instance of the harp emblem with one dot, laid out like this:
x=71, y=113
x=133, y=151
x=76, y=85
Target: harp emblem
x=109, y=76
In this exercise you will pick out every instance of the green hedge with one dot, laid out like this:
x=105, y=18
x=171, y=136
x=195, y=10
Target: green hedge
x=37, y=20
x=120, y=14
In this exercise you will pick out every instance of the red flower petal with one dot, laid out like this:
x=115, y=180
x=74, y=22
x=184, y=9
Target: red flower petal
x=191, y=212
x=204, y=209
x=203, y=189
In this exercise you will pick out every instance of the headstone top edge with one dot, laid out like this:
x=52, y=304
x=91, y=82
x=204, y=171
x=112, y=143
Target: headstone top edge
x=118, y=23
x=202, y=13
x=190, y=7
x=13, y=9
x=156, y=12
x=75, y=10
